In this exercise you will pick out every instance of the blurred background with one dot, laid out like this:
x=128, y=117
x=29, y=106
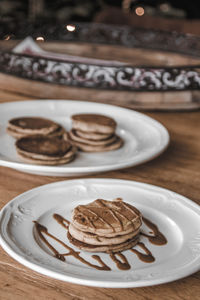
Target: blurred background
x=17, y=16
x=162, y=36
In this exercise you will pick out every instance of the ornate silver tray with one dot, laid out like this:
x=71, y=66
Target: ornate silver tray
x=128, y=77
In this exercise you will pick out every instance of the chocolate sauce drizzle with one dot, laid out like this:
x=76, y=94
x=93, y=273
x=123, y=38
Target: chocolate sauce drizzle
x=61, y=220
x=122, y=264
x=117, y=215
x=114, y=214
x=156, y=238
x=42, y=230
x=146, y=257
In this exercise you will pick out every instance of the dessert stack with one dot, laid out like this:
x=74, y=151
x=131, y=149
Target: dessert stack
x=105, y=226
x=45, y=150
x=94, y=133
x=41, y=141
x=20, y=127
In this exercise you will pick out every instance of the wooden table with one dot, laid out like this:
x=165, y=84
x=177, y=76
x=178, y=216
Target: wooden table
x=177, y=169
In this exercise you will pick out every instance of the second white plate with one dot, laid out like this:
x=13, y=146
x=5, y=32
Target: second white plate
x=144, y=138
x=172, y=213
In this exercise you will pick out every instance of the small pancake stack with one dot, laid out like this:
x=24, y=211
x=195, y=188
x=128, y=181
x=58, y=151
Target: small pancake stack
x=105, y=226
x=45, y=150
x=41, y=141
x=94, y=133
x=20, y=127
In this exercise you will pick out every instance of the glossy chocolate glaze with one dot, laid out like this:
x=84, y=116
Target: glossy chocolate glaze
x=156, y=238
x=118, y=258
x=99, y=214
x=146, y=257
x=42, y=230
x=121, y=263
x=62, y=221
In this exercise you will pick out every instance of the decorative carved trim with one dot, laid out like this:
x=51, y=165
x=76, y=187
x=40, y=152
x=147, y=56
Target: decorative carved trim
x=100, y=77
x=111, y=77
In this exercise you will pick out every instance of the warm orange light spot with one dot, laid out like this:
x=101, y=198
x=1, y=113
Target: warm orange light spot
x=7, y=37
x=139, y=11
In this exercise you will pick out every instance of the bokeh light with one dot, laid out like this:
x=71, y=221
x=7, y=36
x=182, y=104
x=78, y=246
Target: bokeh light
x=40, y=39
x=71, y=28
x=139, y=11
x=7, y=37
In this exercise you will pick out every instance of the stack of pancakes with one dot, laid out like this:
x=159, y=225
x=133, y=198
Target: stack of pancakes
x=45, y=150
x=94, y=133
x=41, y=141
x=105, y=226
x=20, y=127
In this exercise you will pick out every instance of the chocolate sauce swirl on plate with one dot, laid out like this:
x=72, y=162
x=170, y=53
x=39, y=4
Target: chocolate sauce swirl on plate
x=156, y=238
x=42, y=231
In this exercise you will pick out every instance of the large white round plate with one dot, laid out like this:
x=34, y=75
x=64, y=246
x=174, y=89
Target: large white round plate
x=177, y=217
x=144, y=137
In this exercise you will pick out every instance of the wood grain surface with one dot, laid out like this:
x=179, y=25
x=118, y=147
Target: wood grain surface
x=177, y=169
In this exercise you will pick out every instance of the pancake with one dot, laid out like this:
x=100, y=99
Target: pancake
x=93, y=135
x=55, y=162
x=105, y=226
x=94, y=123
x=104, y=248
x=17, y=135
x=19, y=127
x=106, y=218
x=59, y=132
x=114, y=145
x=47, y=150
x=94, y=239
x=75, y=137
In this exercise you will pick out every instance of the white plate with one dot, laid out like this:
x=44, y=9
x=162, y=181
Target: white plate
x=144, y=137
x=177, y=217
